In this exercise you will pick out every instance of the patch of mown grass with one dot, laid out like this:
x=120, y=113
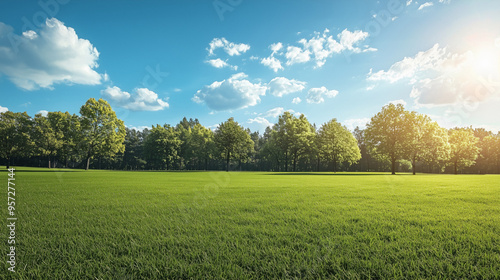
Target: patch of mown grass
x=249, y=225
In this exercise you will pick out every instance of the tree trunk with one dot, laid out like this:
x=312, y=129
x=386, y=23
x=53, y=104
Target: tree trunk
x=318, y=165
x=334, y=164
x=294, y=162
x=49, y=162
x=227, y=161
x=8, y=162
x=393, y=166
x=413, y=162
x=88, y=164
x=455, y=166
x=286, y=161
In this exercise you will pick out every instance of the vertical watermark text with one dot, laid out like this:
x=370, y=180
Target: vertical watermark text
x=11, y=219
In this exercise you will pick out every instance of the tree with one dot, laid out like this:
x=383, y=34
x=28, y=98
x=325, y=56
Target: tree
x=103, y=133
x=72, y=134
x=427, y=140
x=202, y=143
x=232, y=140
x=15, y=135
x=464, y=150
x=302, y=138
x=133, y=154
x=162, y=146
x=337, y=144
x=48, y=136
x=491, y=151
x=389, y=133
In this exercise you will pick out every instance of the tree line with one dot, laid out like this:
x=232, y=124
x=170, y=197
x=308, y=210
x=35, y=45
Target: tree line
x=394, y=140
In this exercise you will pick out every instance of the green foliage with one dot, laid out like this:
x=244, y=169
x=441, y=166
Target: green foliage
x=389, y=133
x=15, y=135
x=162, y=146
x=232, y=141
x=463, y=148
x=336, y=143
x=103, y=133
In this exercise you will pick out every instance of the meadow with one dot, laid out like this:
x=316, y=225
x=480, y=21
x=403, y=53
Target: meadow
x=253, y=225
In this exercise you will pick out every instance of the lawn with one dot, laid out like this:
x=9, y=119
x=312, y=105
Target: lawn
x=249, y=225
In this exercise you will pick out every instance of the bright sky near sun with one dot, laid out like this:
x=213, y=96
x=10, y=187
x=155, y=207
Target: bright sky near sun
x=158, y=61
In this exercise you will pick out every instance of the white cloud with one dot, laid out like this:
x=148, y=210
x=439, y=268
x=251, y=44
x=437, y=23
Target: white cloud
x=394, y=18
x=276, y=47
x=408, y=2
x=297, y=55
x=315, y=95
x=352, y=123
x=219, y=63
x=440, y=77
x=409, y=66
x=115, y=94
x=3, y=109
x=272, y=62
x=425, y=5
x=229, y=47
x=274, y=112
x=296, y=100
x=234, y=93
x=322, y=46
x=280, y=86
x=142, y=99
x=53, y=55
x=139, y=128
x=262, y=121
x=43, y=112
x=396, y=102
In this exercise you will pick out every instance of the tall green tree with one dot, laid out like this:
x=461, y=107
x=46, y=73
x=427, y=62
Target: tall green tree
x=103, y=133
x=15, y=135
x=232, y=140
x=463, y=148
x=302, y=138
x=162, y=146
x=389, y=133
x=48, y=137
x=202, y=143
x=336, y=143
x=491, y=151
x=427, y=142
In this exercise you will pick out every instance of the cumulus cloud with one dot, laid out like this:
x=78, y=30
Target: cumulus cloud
x=261, y=121
x=409, y=66
x=43, y=112
x=274, y=112
x=229, y=47
x=280, y=86
x=296, y=100
x=425, y=5
x=3, y=109
x=316, y=95
x=53, y=55
x=234, y=93
x=115, y=94
x=351, y=124
x=322, y=46
x=272, y=62
x=440, y=77
x=142, y=99
x=396, y=102
x=219, y=63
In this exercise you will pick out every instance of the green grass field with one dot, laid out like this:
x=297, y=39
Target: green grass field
x=247, y=225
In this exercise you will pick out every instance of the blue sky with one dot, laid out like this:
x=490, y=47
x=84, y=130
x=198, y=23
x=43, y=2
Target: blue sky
x=158, y=61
